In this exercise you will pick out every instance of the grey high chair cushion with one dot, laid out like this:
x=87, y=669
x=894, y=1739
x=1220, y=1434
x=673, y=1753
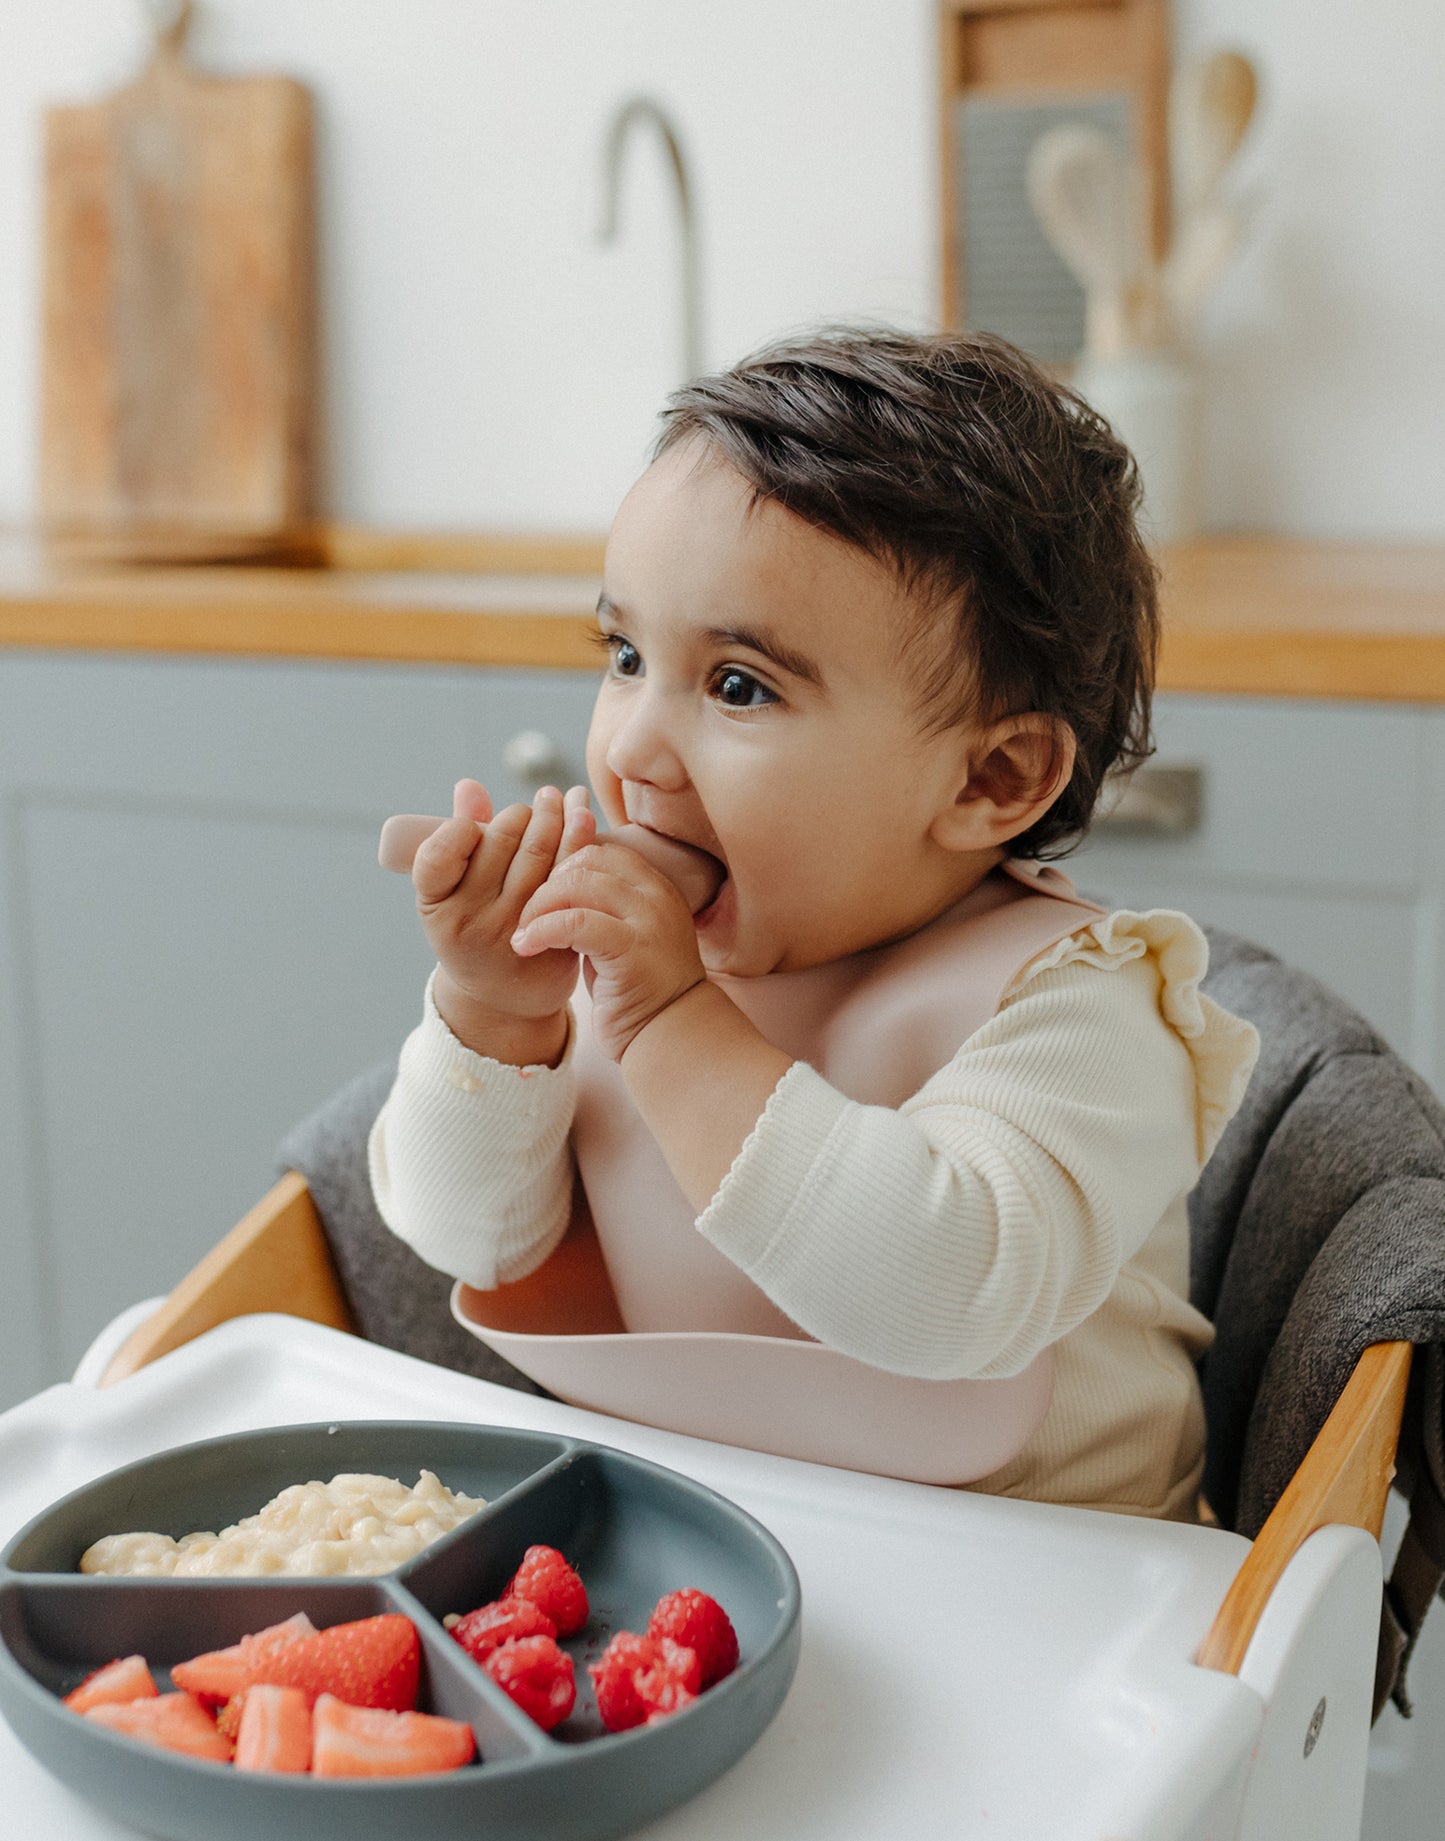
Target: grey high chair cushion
x=396, y=1298
x=1317, y=1228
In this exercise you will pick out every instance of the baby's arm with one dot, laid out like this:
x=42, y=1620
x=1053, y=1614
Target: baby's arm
x=698, y=1069
x=469, y=1158
x=989, y=1215
x=959, y=1235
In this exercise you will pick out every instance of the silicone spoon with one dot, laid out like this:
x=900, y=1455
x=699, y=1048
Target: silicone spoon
x=693, y=873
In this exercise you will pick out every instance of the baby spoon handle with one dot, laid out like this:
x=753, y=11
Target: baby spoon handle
x=693, y=873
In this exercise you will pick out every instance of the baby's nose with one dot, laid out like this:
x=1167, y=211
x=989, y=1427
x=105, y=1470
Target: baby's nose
x=642, y=748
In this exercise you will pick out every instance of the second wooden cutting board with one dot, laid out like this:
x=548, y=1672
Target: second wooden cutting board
x=178, y=397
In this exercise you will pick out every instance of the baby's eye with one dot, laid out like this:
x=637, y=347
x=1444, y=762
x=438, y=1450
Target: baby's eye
x=740, y=690
x=626, y=659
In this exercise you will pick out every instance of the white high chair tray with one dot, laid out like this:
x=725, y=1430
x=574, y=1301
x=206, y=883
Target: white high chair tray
x=970, y=1666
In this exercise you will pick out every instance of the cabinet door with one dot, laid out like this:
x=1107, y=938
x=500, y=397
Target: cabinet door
x=1310, y=841
x=197, y=945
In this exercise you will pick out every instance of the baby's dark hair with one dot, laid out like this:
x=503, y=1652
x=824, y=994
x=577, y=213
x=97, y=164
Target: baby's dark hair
x=1005, y=503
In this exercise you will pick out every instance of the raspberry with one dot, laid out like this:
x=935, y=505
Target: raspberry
x=490, y=1625
x=698, y=1622
x=536, y=1674
x=642, y=1678
x=546, y=1578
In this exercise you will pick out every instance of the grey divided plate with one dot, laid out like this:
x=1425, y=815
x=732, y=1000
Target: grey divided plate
x=632, y=1529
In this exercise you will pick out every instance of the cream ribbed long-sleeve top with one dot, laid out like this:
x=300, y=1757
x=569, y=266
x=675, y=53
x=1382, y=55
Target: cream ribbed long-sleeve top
x=1033, y=1190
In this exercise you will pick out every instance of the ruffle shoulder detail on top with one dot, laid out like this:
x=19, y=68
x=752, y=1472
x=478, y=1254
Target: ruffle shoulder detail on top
x=1222, y=1046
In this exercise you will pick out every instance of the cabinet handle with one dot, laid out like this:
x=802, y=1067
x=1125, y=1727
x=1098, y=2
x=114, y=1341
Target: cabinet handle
x=1157, y=800
x=532, y=757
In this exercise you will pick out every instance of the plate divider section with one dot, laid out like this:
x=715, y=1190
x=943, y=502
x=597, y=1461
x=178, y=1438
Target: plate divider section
x=494, y=1507
x=505, y=1734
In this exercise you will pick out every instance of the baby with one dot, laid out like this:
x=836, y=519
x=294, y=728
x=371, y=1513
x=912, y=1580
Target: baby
x=877, y=623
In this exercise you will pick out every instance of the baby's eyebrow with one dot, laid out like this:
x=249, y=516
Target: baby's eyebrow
x=755, y=638
x=759, y=639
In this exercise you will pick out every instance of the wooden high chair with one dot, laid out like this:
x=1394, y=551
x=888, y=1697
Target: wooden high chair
x=1306, y=1184
x=277, y=1258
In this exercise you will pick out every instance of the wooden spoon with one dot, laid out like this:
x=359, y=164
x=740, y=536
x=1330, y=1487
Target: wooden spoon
x=1088, y=198
x=1205, y=243
x=1211, y=104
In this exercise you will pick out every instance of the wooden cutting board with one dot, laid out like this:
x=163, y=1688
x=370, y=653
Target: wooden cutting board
x=177, y=401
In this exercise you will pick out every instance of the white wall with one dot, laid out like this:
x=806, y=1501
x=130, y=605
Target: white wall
x=488, y=364
x=1326, y=344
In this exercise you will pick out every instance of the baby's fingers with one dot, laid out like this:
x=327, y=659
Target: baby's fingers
x=443, y=859
x=536, y=849
x=470, y=799
x=579, y=823
x=586, y=930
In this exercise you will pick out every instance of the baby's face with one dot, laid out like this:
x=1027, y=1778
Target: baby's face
x=755, y=704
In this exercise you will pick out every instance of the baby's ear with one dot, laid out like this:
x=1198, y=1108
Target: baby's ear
x=1017, y=768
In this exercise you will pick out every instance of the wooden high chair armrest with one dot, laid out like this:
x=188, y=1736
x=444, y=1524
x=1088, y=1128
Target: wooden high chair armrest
x=1344, y=1477
x=274, y=1258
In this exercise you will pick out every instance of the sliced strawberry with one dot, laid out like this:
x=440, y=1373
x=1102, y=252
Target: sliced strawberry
x=553, y=1586
x=222, y=1673
x=371, y=1742
x=537, y=1676
x=275, y=1732
x=112, y=1686
x=490, y=1625
x=372, y=1662
x=175, y=1722
x=228, y=1717
x=698, y=1622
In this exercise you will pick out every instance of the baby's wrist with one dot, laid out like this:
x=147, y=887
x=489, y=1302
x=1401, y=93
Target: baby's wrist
x=516, y=1041
x=675, y=1027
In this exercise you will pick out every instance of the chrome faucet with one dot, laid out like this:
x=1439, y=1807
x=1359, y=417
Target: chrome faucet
x=637, y=110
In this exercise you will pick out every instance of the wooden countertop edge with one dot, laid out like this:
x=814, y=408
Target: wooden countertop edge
x=395, y=633
x=1353, y=667
x=1257, y=662
x=1244, y=615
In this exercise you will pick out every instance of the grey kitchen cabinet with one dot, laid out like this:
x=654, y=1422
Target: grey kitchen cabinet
x=196, y=943
x=197, y=946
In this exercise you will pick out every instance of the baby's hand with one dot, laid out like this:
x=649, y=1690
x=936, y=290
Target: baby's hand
x=473, y=877
x=607, y=902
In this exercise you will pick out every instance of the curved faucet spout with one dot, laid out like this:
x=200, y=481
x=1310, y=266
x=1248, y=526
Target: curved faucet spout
x=636, y=111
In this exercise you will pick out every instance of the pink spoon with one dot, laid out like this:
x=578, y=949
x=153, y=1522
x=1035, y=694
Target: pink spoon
x=693, y=873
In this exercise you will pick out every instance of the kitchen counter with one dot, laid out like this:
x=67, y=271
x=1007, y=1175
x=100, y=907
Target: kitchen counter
x=1244, y=615
x=464, y=601
x=1292, y=617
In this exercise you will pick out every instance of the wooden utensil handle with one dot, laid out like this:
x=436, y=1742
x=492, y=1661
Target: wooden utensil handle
x=696, y=876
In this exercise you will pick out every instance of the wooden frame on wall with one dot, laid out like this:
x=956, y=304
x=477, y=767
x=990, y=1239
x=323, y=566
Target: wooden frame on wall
x=1049, y=53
